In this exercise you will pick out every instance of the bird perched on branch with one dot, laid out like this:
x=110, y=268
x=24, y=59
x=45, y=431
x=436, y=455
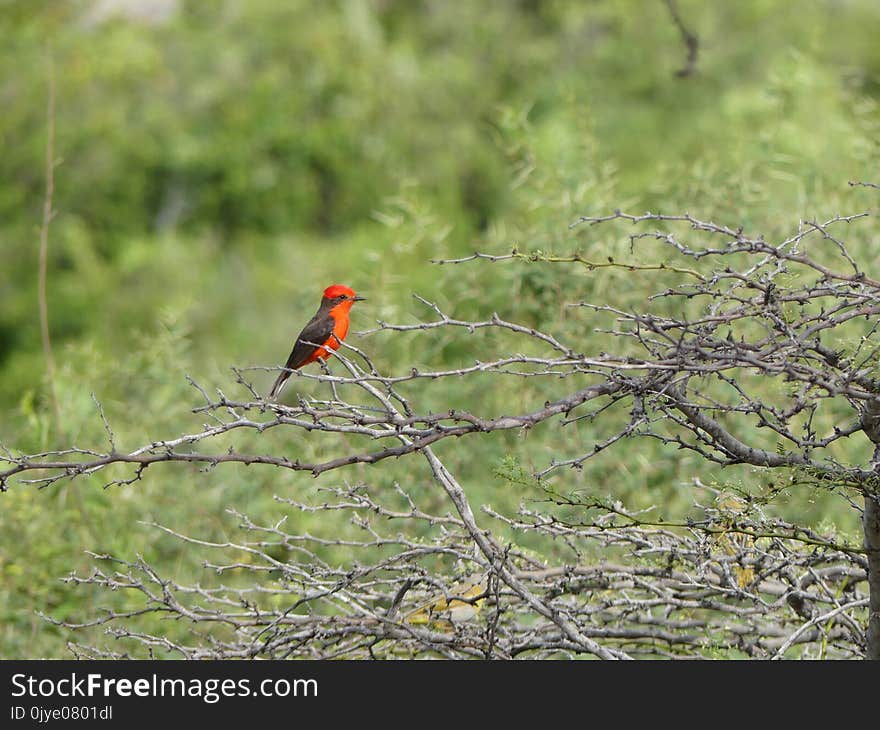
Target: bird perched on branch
x=324, y=332
x=462, y=603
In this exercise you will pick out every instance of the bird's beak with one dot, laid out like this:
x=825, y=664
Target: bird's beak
x=359, y=299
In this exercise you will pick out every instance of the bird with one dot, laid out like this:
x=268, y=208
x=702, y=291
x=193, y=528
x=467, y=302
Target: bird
x=323, y=332
x=461, y=603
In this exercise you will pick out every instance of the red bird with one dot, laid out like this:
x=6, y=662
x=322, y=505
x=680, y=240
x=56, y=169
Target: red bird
x=325, y=331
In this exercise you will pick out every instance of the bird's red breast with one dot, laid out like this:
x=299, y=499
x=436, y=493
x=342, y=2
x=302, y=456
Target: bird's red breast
x=340, y=317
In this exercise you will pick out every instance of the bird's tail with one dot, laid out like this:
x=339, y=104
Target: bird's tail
x=279, y=383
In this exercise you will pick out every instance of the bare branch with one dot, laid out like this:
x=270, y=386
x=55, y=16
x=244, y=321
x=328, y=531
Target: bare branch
x=691, y=42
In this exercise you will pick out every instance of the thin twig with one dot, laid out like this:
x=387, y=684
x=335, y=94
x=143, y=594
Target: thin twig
x=690, y=40
x=44, y=244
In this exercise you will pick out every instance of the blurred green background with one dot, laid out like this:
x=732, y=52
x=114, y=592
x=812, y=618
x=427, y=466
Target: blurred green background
x=220, y=162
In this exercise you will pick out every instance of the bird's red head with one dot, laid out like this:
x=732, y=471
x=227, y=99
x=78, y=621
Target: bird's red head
x=340, y=295
x=338, y=290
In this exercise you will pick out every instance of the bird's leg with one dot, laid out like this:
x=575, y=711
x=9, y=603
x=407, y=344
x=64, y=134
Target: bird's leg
x=326, y=370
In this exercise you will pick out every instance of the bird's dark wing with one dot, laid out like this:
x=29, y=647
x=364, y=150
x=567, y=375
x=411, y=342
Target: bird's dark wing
x=316, y=332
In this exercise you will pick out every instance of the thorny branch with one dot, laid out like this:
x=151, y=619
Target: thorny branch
x=753, y=351
x=658, y=591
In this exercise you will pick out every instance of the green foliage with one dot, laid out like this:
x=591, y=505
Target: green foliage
x=218, y=169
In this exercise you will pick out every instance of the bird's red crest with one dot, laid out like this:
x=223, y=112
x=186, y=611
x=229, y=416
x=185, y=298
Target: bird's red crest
x=338, y=290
